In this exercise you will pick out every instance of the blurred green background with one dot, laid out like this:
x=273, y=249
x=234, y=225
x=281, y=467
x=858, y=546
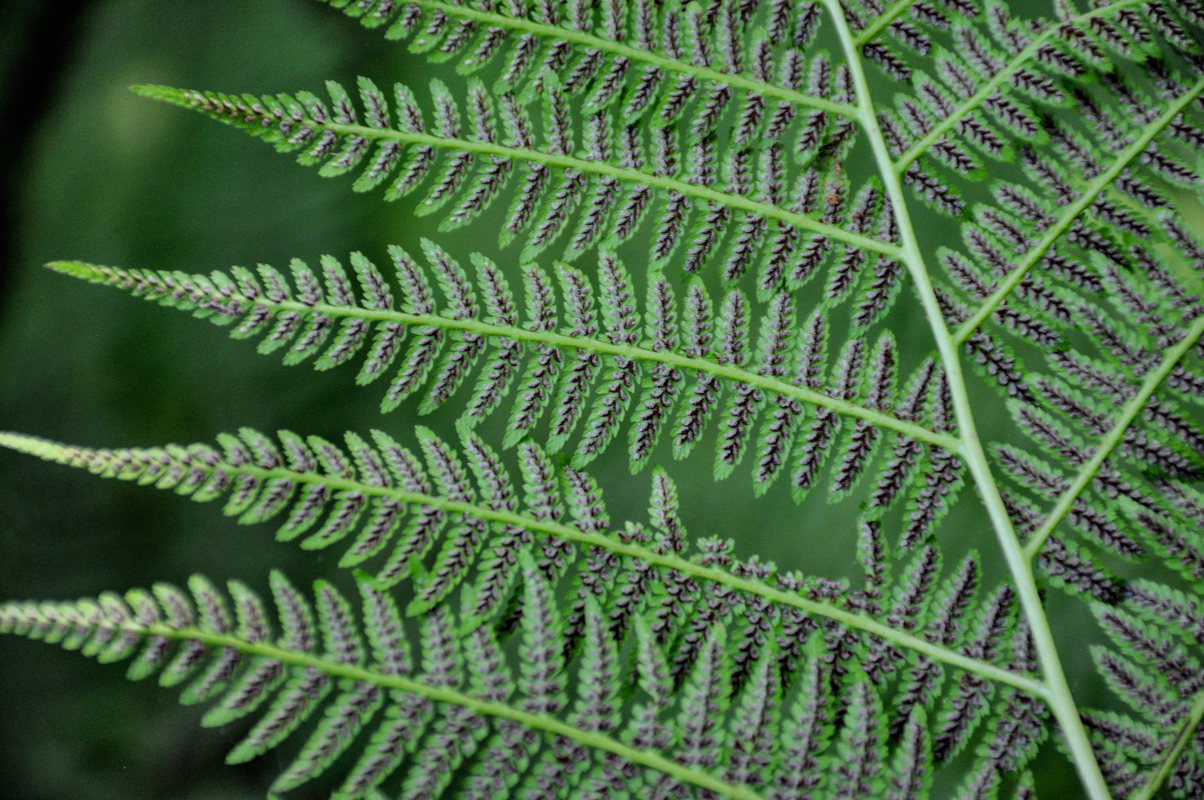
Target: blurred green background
x=95, y=173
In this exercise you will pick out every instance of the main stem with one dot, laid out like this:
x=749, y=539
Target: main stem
x=1059, y=697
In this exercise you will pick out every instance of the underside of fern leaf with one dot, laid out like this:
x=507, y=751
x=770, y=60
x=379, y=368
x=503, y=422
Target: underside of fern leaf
x=468, y=707
x=715, y=220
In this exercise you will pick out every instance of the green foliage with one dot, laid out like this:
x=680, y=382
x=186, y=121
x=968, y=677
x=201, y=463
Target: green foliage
x=713, y=220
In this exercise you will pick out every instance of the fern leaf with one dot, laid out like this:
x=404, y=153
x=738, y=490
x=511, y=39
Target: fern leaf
x=336, y=137
x=911, y=770
x=449, y=343
x=1166, y=695
x=861, y=739
x=752, y=740
x=355, y=704
x=581, y=498
x=754, y=147
x=362, y=681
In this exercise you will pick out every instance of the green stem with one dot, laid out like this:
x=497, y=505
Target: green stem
x=999, y=79
x=76, y=456
x=1094, y=189
x=1182, y=737
x=590, y=41
x=443, y=694
x=1113, y=438
x=1057, y=693
x=884, y=19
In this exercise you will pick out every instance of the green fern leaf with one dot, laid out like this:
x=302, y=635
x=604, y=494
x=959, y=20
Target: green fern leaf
x=713, y=209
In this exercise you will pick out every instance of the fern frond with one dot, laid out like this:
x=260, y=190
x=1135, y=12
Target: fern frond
x=251, y=469
x=336, y=138
x=1154, y=664
x=774, y=178
x=436, y=697
x=449, y=341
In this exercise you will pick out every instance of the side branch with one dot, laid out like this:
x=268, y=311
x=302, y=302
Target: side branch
x=1183, y=737
x=1066, y=219
x=727, y=371
x=261, y=121
x=442, y=694
x=1114, y=437
x=104, y=275
x=625, y=174
x=75, y=456
x=999, y=79
x=588, y=40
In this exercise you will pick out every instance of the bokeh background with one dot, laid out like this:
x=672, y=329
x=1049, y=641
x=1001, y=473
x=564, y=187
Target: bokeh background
x=92, y=172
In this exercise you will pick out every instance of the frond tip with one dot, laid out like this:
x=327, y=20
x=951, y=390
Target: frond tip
x=595, y=191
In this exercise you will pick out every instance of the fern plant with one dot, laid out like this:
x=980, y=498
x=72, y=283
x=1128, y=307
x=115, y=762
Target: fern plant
x=714, y=220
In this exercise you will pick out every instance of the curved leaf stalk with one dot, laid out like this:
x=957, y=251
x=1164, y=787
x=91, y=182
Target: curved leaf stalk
x=1067, y=217
x=999, y=79
x=1182, y=737
x=64, y=454
x=1113, y=438
x=1057, y=693
x=621, y=50
x=443, y=694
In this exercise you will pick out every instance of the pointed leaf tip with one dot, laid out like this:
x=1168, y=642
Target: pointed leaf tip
x=83, y=270
x=167, y=94
x=77, y=269
x=156, y=91
x=30, y=445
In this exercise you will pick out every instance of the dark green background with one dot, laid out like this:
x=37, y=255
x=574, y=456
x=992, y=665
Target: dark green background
x=95, y=173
